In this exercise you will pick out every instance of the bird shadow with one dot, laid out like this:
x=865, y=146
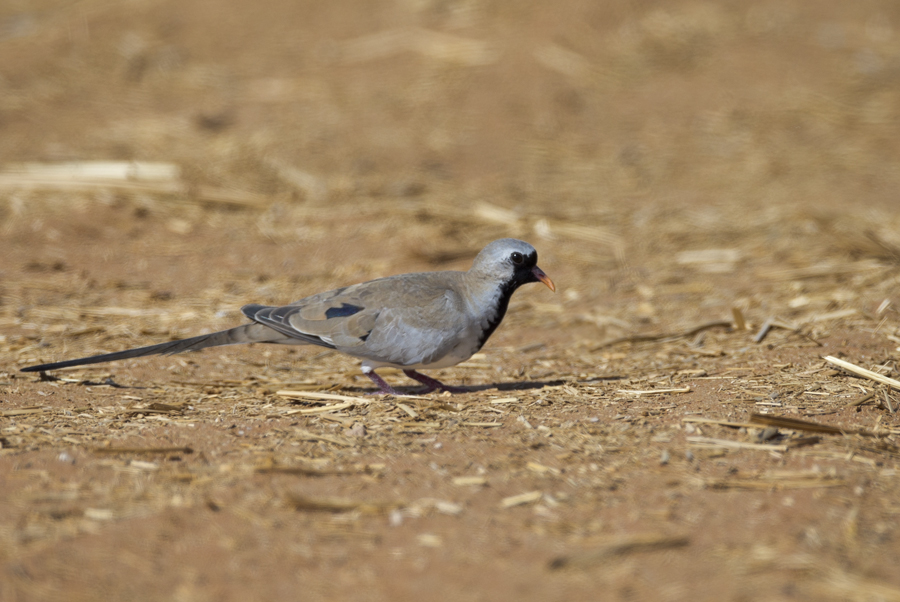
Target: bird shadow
x=516, y=386
x=108, y=382
x=513, y=386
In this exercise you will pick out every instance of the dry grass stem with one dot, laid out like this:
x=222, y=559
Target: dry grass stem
x=813, y=482
x=325, y=396
x=322, y=409
x=308, y=436
x=728, y=423
x=861, y=400
x=859, y=371
x=805, y=425
x=654, y=391
x=466, y=481
x=520, y=499
x=142, y=450
x=23, y=411
x=307, y=504
x=664, y=336
x=632, y=544
x=728, y=444
x=302, y=471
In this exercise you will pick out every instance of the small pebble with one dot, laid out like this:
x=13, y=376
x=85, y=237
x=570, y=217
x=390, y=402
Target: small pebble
x=664, y=458
x=357, y=430
x=768, y=433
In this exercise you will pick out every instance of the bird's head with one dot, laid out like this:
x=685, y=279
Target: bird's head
x=512, y=263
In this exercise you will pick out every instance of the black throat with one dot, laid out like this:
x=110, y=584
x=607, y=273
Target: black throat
x=506, y=293
x=523, y=274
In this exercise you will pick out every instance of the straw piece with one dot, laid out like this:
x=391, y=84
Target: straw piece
x=726, y=443
x=540, y=468
x=142, y=450
x=432, y=44
x=411, y=412
x=522, y=498
x=805, y=425
x=767, y=326
x=327, y=396
x=837, y=584
x=308, y=436
x=475, y=480
x=834, y=315
x=501, y=400
x=335, y=505
x=618, y=547
x=155, y=408
x=22, y=411
x=822, y=270
x=719, y=422
x=862, y=372
x=803, y=483
x=301, y=470
x=114, y=176
x=861, y=400
x=95, y=170
x=654, y=391
x=664, y=336
x=321, y=410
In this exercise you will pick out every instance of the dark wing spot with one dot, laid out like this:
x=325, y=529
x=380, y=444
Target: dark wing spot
x=343, y=311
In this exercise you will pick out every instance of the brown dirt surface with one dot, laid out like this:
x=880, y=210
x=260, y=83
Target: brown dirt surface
x=690, y=172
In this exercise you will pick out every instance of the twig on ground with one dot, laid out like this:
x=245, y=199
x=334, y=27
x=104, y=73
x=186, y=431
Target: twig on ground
x=641, y=338
x=859, y=371
x=806, y=425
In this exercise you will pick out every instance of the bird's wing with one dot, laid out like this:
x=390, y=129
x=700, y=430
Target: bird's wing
x=404, y=320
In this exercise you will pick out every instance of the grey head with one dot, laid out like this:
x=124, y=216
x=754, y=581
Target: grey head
x=511, y=263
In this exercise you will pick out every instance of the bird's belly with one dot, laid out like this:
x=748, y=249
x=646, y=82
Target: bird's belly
x=462, y=351
x=451, y=359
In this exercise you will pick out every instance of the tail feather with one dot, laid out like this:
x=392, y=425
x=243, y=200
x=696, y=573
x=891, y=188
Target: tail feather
x=248, y=333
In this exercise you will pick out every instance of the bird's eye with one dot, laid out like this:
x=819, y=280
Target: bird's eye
x=517, y=258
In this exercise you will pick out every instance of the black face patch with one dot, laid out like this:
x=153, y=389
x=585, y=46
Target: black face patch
x=343, y=311
x=522, y=274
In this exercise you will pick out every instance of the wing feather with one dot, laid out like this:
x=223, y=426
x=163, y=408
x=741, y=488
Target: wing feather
x=399, y=320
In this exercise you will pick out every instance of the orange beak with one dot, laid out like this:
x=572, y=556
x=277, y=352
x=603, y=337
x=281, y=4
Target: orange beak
x=540, y=275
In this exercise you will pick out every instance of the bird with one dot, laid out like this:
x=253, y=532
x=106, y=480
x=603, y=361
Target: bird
x=417, y=321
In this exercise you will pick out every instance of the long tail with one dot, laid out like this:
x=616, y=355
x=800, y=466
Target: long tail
x=248, y=333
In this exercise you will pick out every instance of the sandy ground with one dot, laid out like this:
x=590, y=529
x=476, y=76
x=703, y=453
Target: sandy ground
x=689, y=172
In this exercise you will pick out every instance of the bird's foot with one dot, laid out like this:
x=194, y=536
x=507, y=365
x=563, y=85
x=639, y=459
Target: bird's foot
x=432, y=384
x=383, y=387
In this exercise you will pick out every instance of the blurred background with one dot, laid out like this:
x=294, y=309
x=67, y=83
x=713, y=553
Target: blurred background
x=574, y=108
x=617, y=132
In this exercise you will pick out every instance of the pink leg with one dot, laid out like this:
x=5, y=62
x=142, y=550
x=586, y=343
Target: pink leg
x=383, y=387
x=432, y=384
